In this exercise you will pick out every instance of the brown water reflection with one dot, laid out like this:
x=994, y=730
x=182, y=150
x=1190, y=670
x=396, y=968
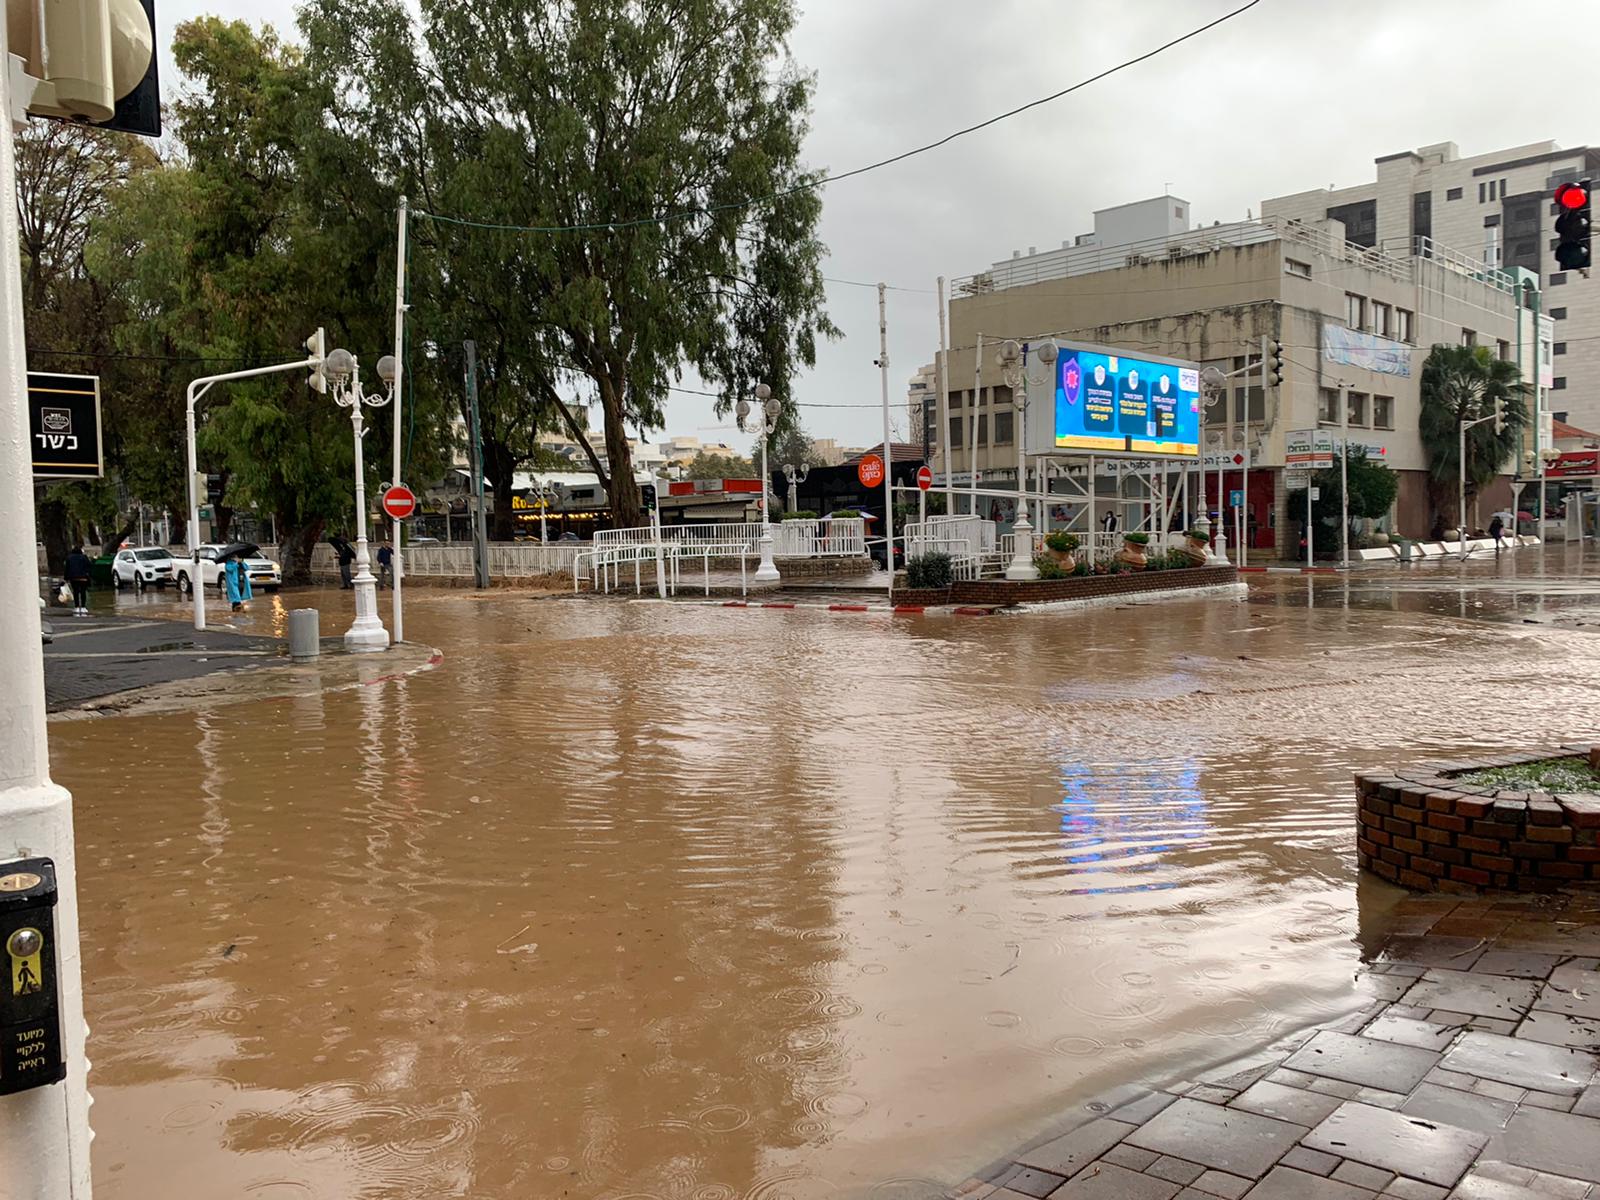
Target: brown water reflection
x=629, y=900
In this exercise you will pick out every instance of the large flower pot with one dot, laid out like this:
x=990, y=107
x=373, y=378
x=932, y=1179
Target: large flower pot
x=1062, y=558
x=1197, y=550
x=1133, y=554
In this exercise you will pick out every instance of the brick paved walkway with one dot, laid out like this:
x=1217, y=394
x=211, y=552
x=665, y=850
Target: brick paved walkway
x=1472, y=1077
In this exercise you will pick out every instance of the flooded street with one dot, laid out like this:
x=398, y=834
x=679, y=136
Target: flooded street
x=638, y=900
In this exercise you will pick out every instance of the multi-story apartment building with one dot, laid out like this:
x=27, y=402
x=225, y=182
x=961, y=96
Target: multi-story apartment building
x=1350, y=316
x=1499, y=209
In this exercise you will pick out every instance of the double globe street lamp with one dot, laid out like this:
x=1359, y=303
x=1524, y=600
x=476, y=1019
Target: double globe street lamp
x=771, y=410
x=1012, y=360
x=344, y=373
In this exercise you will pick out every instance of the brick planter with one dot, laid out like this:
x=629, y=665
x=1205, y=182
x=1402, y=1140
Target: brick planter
x=926, y=597
x=1421, y=829
x=1087, y=587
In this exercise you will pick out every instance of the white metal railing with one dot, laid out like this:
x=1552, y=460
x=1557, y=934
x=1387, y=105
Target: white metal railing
x=841, y=537
x=507, y=560
x=1461, y=263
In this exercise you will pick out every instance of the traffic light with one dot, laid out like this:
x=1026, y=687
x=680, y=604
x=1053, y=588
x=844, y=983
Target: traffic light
x=88, y=60
x=214, y=489
x=1499, y=415
x=1572, y=226
x=317, y=343
x=1272, y=356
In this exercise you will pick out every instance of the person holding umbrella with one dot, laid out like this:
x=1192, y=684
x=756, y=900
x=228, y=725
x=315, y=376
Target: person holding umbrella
x=238, y=579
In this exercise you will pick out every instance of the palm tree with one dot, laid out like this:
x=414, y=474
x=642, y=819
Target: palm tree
x=1464, y=383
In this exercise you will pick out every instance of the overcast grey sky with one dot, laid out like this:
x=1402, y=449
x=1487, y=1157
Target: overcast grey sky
x=1294, y=94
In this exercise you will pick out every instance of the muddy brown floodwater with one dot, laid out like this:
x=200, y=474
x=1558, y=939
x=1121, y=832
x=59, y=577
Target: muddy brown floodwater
x=628, y=900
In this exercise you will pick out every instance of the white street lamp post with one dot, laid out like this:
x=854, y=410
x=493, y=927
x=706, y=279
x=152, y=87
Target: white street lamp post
x=366, y=632
x=795, y=475
x=1014, y=370
x=771, y=410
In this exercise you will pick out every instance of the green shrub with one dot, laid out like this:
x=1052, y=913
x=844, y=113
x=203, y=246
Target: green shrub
x=931, y=570
x=1197, y=535
x=1081, y=569
x=844, y=512
x=1048, y=567
x=800, y=514
x=1137, y=539
x=1061, y=541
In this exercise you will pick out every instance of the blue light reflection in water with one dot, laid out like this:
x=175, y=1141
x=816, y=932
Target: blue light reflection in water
x=1128, y=819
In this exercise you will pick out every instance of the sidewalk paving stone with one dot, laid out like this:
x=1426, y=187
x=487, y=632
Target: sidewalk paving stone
x=1474, y=994
x=1071, y=1152
x=1220, y=1183
x=1464, y=1110
x=1558, y=1029
x=1571, y=991
x=1241, y=1143
x=1561, y=1143
x=1521, y=1063
x=1284, y=1183
x=1367, y=1062
x=1425, y=1035
x=1426, y=1150
x=1107, y=1181
x=1296, y=1105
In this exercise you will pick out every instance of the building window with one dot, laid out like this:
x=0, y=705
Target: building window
x=1558, y=314
x=1177, y=211
x=1558, y=278
x=1249, y=404
x=955, y=433
x=1002, y=428
x=1452, y=194
x=1560, y=348
x=1296, y=268
x=1558, y=384
x=1357, y=403
x=1216, y=411
x=1382, y=318
x=1402, y=324
x=983, y=431
x=1328, y=407
x=1502, y=195
x=1355, y=310
x=1503, y=351
x=1482, y=192
x=955, y=400
x=1469, y=338
x=1383, y=412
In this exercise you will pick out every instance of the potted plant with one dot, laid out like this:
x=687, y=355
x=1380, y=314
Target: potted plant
x=1196, y=546
x=1060, y=545
x=1133, y=549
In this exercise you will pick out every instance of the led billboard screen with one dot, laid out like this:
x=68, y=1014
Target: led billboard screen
x=1105, y=402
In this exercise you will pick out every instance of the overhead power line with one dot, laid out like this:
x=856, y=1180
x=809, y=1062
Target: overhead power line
x=812, y=184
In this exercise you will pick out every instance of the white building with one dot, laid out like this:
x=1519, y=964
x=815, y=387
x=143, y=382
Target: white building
x=1498, y=210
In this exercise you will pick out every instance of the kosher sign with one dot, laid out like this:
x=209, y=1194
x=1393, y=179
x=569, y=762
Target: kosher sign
x=64, y=426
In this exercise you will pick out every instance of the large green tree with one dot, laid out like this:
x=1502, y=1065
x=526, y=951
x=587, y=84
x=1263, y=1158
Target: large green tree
x=1468, y=383
x=648, y=154
x=1373, y=488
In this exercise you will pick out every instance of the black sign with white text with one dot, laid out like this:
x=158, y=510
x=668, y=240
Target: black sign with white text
x=64, y=426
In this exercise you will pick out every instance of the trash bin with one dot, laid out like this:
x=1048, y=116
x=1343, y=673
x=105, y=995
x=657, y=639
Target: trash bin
x=305, y=640
x=1405, y=548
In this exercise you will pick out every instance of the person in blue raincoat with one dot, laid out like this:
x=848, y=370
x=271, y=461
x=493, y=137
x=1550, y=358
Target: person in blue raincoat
x=238, y=579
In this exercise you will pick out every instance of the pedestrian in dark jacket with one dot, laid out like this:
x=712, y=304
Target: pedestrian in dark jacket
x=347, y=556
x=78, y=568
x=1497, y=529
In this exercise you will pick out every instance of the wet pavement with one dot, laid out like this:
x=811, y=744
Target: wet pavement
x=643, y=900
x=1469, y=1077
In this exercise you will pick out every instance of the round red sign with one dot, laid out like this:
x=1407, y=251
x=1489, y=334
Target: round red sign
x=924, y=478
x=870, y=471
x=399, y=502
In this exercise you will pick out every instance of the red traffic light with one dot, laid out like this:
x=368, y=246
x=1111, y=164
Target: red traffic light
x=1572, y=195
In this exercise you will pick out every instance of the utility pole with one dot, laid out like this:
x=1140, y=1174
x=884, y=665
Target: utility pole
x=480, y=532
x=1344, y=474
x=396, y=526
x=944, y=406
x=888, y=455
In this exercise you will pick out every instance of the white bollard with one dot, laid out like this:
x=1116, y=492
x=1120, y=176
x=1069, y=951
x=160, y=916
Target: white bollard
x=305, y=634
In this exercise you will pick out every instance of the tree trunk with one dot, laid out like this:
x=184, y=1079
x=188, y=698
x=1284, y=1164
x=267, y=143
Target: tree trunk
x=57, y=538
x=499, y=468
x=120, y=536
x=178, y=534
x=295, y=545
x=621, y=490
x=224, y=517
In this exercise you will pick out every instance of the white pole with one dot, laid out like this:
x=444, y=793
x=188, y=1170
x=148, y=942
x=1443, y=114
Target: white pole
x=888, y=457
x=1310, y=524
x=945, y=458
x=661, y=579
x=1344, y=474
x=45, y=1131
x=1094, y=526
x=197, y=588
x=1461, y=485
x=366, y=632
x=972, y=444
x=395, y=569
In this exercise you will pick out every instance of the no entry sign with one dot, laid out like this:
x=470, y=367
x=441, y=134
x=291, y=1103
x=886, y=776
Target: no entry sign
x=870, y=471
x=399, y=502
x=924, y=478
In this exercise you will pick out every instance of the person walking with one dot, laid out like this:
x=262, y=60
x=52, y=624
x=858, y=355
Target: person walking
x=386, y=565
x=1497, y=529
x=347, y=556
x=238, y=581
x=78, y=568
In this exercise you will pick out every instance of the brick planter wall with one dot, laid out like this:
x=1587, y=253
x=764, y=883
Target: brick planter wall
x=1421, y=829
x=1086, y=587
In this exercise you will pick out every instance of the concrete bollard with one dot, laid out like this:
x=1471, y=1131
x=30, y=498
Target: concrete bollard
x=305, y=634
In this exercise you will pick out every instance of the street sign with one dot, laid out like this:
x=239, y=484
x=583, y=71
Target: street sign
x=1316, y=493
x=1235, y=499
x=64, y=424
x=1231, y=460
x=869, y=469
x=924, y=478
x=1308, y=449
x=1295, y=480
x=399, y=502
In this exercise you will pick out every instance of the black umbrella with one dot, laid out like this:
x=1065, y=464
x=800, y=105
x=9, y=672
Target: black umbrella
x=237, y=549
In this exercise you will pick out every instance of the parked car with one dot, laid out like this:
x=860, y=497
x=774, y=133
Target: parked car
x=142, y=567
x=264, y=573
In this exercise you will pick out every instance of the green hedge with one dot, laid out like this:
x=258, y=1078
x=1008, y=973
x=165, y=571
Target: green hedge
x=931, y=570
x=800, y=514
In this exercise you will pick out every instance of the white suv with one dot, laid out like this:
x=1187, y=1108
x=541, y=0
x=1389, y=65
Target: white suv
x=264, y=573
x=142, y=568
